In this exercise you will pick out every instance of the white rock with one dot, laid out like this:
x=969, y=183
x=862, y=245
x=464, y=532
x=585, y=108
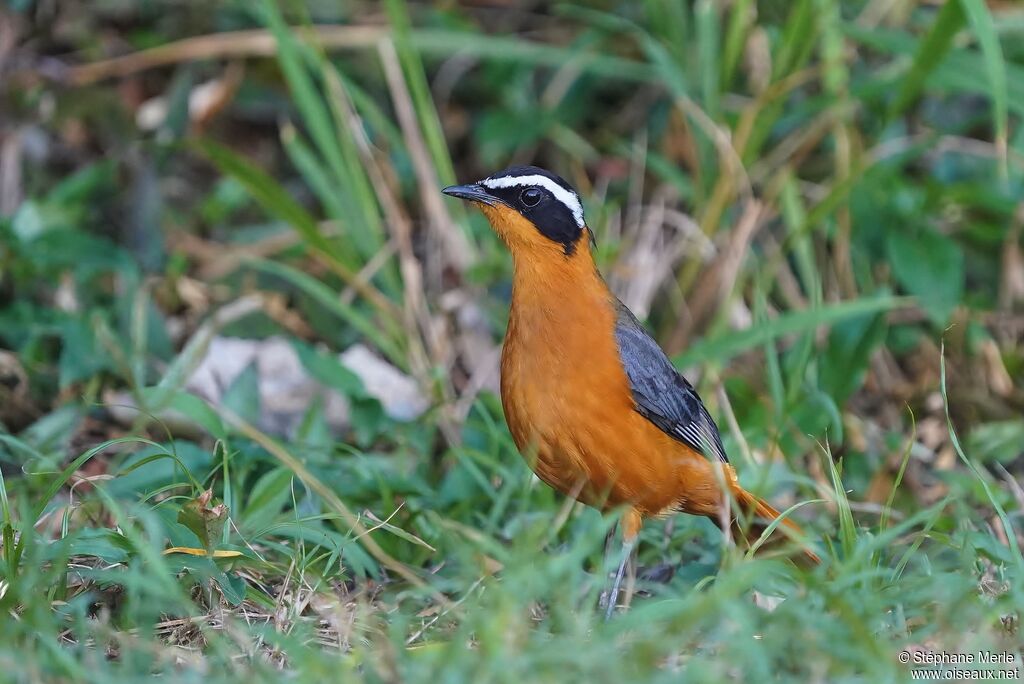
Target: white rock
x=286, y=389
x=397, y=392
x=225, y=359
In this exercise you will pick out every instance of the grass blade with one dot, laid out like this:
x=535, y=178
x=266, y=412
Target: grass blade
x=327, y=298
x=724, y=347
x=1011, y=534
x=273, y=198
x=981, y=21
x=930, y=52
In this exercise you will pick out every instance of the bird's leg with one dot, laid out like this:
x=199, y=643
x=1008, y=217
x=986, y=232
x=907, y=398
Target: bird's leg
x=630, y=529
x=609, y=543
x=606, y=563
x=613, y=596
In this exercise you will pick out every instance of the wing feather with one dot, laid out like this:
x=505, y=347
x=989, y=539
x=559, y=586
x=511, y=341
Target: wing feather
x=661, y=393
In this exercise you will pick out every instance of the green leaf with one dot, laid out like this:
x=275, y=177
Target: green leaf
x=315, y=432
x=366, y=413
x=192, y=407
x=81, y=356
x=817, y=414
x=931, y=267
x=81, y=186
x=196, y=409
x=329, y=370
x=268, y=497
x=160, y=465
x=52, y=432
x=850, y=344
x=243, y=397
x=232, y=586
x=1001, y=441
x=368, y=420
x=107, y=545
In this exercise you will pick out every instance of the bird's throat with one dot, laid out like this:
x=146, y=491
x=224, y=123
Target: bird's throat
x=568, y=290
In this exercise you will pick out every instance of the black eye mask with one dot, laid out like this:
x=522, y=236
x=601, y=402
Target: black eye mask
x=553, y=218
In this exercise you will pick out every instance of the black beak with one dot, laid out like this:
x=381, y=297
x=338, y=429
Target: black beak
x=474, y=193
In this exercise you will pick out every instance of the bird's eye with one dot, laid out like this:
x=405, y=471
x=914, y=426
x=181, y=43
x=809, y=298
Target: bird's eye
x=530, y=197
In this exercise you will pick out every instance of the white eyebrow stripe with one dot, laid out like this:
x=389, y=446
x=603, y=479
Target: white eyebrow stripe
x=566, y=197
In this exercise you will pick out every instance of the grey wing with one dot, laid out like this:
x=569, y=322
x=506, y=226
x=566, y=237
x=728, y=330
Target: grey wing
x=661, y=393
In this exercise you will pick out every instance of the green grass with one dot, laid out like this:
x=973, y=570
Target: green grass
x=856, y=168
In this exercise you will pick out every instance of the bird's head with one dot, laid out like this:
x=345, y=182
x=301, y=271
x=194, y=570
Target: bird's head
x=536, y=213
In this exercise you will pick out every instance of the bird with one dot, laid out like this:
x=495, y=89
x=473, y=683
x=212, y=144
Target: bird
x=591, y=400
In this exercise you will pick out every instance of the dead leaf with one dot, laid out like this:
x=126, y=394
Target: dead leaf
x=217, y=553
x=207, y=522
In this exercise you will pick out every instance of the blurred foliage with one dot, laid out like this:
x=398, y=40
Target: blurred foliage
x=816, y=205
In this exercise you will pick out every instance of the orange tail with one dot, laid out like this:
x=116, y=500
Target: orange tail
x=763, y=514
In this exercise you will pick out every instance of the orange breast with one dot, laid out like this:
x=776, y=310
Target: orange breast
x=568, y=404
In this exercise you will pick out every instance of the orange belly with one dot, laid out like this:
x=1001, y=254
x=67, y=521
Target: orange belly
x=569, y=408
x=607, y=455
